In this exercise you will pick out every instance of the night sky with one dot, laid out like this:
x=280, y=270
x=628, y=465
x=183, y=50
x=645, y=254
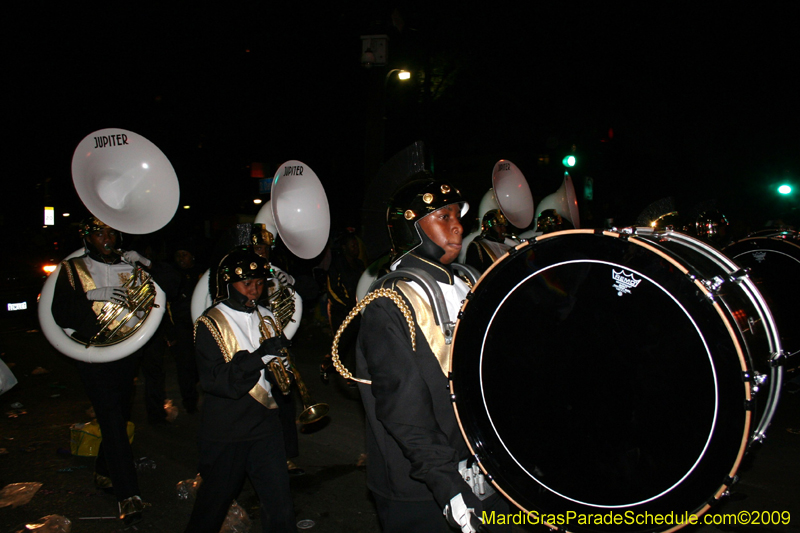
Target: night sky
x=695, y=103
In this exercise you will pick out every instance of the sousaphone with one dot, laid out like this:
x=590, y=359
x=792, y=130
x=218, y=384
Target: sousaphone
x=298, y=212
x=127, y=182
x=554, y=209
x=510, y=194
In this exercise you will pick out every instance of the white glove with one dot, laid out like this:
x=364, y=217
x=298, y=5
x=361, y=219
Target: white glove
x=116, y=295
x=458, y=514
x=134, y=257
x=282, y=277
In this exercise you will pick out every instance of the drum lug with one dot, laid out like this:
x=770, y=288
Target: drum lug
x=755, y=378
x=759, y=379
x=729, y=482
x=713, y=284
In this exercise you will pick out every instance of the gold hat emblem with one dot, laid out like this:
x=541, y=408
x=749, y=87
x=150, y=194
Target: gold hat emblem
x=238, y=271
x=409, y=214
x=445, y=189
x=253, y=266
x=427, y=198
x=226, y=277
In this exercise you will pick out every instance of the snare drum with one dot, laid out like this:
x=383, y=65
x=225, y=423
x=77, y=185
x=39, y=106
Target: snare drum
x=602, y=372
x=773, y=262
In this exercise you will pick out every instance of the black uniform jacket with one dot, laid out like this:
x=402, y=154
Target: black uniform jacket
x=230, y=413
x=413, y=439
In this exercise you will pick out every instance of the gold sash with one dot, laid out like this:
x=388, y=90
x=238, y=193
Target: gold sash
x=222, y=332
x=427, y=324
x=484, y=248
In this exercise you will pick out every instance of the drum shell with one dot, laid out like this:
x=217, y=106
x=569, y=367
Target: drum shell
x=772, y=260
x=549, y=374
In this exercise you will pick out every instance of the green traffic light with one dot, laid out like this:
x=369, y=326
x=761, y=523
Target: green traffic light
x=568, y=161
x=785, y=189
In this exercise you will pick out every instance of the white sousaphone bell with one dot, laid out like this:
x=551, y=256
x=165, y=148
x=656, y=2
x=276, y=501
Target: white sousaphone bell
x=563, y=201
x=510, y=194
x=125, y=181
x=298, y=211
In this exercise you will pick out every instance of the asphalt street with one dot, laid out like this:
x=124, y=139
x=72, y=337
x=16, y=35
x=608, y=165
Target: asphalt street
x=329, y=497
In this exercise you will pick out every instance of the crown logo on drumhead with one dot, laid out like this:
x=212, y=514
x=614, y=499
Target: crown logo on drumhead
x=624, y=282
x=759, y=256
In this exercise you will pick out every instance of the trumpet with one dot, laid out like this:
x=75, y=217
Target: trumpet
x=312, y=411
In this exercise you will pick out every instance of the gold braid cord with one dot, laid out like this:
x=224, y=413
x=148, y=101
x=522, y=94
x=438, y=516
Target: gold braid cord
x=384, y=293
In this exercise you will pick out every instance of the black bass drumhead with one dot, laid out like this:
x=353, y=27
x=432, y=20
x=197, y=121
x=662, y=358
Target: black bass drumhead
x=592, y=376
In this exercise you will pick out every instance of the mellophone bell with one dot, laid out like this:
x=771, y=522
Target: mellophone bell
x=101, y=305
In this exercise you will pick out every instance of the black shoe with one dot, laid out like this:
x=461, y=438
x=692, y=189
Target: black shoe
x=103, y=483
x=293, y=469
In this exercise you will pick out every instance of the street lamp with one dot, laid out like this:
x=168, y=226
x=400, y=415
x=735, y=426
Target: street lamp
x=401, y=75
x=376, y=118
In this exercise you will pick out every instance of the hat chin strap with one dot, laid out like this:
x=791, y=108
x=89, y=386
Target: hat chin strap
x=237, y=301
x=428, y=249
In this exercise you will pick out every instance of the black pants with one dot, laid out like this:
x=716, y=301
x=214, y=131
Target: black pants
x=110, y=389
x=152, y=364
x=223, y=467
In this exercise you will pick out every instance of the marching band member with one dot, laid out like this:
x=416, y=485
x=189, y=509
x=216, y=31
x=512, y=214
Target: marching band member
x=414, y=446
x=84, y=285
x=260, y=240
x=241, y=432
x=490, y=245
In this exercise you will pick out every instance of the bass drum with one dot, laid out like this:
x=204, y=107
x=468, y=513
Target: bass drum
x=598, y=373
x=773, y=262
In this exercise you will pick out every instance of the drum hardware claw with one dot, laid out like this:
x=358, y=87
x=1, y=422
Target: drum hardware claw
x=758, y=437
x=713, y=284
x=776, y=359
x=739, y=275
x=448, y=332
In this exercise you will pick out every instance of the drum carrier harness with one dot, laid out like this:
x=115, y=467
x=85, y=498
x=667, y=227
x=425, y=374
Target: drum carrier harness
x=435, y=296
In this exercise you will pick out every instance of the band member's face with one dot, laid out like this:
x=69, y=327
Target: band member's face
x=103, y=240
x=443, y=226
x=499, y=229
x=251, y=288
x=261, y=250
x=184, y=259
